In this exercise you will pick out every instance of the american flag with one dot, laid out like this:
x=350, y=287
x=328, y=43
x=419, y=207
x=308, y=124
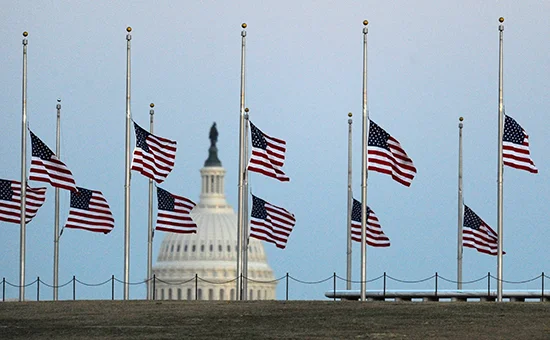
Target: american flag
x=477, y=234
x=90, y=211
x=270, y=223
x=154, y=156
x=268, y=155
x=174, y=213
x=375, y=235
x=10, y=201
x=386, y=155
x=46, y=167
x=515, y=147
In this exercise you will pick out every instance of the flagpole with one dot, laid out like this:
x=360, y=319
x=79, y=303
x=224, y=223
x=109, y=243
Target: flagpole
x=127, y=172
x=350, y=205
x=364, y=167
x=56, y=218
x=241, y=194
x=245, y=212
x=22, y=235
x=460, y=208
x=500, y=160
x=150, y=234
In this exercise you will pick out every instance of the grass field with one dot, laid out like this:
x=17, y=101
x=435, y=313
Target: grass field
x=273, y=320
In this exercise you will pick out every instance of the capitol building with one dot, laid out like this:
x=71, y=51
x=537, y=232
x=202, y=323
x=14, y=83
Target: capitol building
x=202, y=266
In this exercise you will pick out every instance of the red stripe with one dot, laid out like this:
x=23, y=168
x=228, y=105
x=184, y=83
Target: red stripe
x=180, y=231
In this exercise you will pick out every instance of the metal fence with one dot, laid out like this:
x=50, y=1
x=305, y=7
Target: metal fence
x=384, y=283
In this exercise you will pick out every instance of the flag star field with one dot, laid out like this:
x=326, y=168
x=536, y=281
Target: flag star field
x=428, y=63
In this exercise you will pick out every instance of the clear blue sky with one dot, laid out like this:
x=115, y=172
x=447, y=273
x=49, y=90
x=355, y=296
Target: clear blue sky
x=428, y=63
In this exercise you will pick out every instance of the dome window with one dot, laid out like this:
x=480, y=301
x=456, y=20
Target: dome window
x=185, y=248
x=202, y=247
x=228, y=247
x=220, y=248
x=193, y=248
x=211, y=248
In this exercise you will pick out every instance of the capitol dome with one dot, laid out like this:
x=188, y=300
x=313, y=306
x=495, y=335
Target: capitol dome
x=202, y=266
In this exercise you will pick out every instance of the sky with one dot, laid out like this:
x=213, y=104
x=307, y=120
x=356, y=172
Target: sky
x=428, y=64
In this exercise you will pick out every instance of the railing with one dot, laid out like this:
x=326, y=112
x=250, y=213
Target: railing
x=385, y=278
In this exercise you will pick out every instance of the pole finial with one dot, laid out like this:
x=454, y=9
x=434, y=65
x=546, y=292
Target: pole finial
x=128, y=29
x=246, y=110
x=59, y=100
x=244, y=25
x=461, y=119
x=152, y=105
x=350, y=114
x=25, y=34
x=365, y=22
x=501, y=19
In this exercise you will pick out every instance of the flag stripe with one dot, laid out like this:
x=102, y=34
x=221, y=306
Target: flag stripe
x=154, y=156
x=515, y=147
x=95, y=217
x=270, y=223
x=477, y=234
x=375, y=237
x=385, y=155
x=174, y=213
x=46, y=167
x=10, y=208
x=268, y=155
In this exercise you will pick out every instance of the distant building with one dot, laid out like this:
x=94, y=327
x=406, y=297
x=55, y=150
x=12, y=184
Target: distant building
x=211, y=253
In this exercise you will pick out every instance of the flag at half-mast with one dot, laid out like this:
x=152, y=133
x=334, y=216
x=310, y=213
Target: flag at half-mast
x=270, y=223
x=10, y=201
x=386, y=155
x=375, y=235
x=154, y=156
x=46, y=167
x=268, y=155
x=90, y=211
x=515, y=147
x=174, y=213
x=477, y=234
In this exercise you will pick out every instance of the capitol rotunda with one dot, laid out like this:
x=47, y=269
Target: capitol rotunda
x=202, y=266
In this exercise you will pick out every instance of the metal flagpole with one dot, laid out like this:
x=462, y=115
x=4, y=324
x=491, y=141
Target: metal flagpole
x=460, y=209
x=364, y=172
x=127, y=172
x=241, y=194
x=245, y=211
x=56, y=218
x=350, y=206
x=150, y=234
x=500, y=161
x=22, y=235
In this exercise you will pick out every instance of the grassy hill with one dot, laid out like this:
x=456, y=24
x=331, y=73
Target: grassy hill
x=273, y=320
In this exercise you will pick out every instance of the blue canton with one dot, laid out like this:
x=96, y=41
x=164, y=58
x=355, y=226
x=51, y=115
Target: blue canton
x=377, y=136
x=39, y=149
x=512, y=131
x=356, y=211
x=471, y=220
x=258, y=140
x=6, y=193
x=165, y=200
x=258, y=208
x=141, y=138
x=81, y=199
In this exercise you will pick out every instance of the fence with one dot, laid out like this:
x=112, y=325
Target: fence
x=287, y=278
